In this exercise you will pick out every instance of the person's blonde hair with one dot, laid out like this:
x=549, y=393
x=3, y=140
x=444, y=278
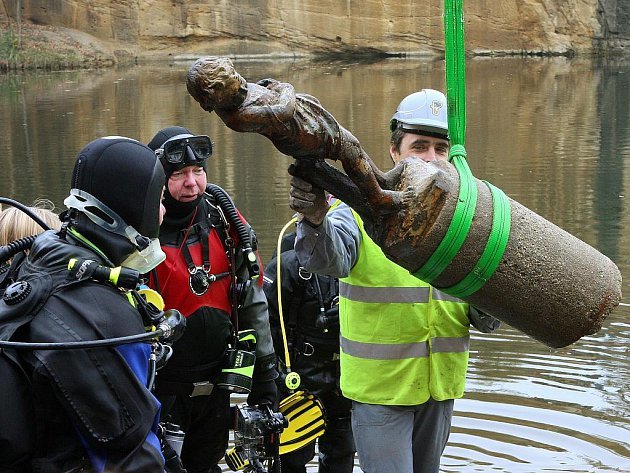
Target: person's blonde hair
x=16, y=224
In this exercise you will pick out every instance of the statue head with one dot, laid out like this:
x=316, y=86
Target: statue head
x=214, y=83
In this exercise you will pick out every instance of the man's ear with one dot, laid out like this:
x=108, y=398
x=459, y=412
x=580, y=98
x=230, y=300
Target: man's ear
x=393, y=153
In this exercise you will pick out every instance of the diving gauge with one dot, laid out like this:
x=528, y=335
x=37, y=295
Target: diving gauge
x=292, y=381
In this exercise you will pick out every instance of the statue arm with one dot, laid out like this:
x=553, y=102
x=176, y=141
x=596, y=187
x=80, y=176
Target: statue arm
x=283, y=108
x=269, y=101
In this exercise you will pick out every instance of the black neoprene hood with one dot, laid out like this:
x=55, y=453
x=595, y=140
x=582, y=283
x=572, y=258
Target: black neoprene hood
x=165, y=133
x=125, y=175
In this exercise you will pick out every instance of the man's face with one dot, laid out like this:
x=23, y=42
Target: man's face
x=188, y=183
x=427, y=148
x=162, y=208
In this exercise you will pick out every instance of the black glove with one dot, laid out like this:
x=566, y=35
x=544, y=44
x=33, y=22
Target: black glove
x=309, y=200
x=329, y=319
x=483, y=322
x=263, y=392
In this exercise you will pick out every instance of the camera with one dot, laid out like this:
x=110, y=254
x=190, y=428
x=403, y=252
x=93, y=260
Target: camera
x=256, y=438
x=238, y=365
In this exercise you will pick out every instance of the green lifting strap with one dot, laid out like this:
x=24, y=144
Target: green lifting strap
x=455, y=59
x=467, y=198
x=460, y=223
x=456, y=99
x=492, y=253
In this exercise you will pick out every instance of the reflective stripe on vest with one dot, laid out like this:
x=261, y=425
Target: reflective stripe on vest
x=399, y=351
x=402, y=341
x=406, y=295
x=393, y=294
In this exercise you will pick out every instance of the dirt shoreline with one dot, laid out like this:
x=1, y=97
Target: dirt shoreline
x=43, y=47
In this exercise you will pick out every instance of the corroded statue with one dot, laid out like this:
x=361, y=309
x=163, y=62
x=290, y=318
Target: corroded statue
x=549, y=284
x=296, y=123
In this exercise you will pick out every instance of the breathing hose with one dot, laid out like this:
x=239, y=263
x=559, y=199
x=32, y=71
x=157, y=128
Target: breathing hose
x=246, y=245
x=9, y=251
x=26, y=210
x=107, y=342
x=292, y=380
x=169, y=328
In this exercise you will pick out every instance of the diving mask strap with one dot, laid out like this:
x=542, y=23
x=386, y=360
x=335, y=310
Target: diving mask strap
x=84, y=202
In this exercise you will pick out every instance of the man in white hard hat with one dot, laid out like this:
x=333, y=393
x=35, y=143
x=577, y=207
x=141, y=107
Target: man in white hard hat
x=404, y=344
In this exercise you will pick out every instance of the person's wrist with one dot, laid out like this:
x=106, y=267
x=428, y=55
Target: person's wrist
x=265, y=368
x=316, y=219
x=309, y=220
x=310, y=223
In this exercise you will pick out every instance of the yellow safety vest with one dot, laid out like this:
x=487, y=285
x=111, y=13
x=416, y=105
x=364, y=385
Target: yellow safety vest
x=402, y=341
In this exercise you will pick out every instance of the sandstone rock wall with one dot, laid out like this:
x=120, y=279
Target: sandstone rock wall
x=296, y=27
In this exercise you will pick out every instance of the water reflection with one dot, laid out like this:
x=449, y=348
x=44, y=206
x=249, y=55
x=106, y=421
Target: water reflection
x=553, y=134
x=531, y=409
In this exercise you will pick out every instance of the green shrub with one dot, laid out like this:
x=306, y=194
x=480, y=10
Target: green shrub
x=35, y=53
x=9, y=47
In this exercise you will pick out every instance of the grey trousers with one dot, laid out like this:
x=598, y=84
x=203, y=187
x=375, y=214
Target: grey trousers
x=401, y=439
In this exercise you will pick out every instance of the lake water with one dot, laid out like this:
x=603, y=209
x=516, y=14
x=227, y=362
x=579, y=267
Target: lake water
x=553, y=134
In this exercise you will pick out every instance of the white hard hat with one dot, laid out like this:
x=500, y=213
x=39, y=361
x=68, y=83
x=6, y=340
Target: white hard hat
x=423, y=111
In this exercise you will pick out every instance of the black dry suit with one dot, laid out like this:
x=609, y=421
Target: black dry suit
x=311, y=320
x=201, y=241
x=196, y=239
x=89, y=407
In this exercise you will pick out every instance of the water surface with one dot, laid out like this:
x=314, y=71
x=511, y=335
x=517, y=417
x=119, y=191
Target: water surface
x=553, y=134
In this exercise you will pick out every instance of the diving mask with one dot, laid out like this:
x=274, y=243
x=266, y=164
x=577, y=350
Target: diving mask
x=148, y=253
x=175, y=150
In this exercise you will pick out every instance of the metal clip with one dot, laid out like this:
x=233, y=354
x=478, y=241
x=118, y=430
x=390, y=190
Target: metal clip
x=308, y=349
x=302, y=272
x=202, y=388
x=195, y=269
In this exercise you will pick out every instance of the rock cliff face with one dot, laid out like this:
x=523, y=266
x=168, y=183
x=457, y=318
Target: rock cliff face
x=296, y=27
